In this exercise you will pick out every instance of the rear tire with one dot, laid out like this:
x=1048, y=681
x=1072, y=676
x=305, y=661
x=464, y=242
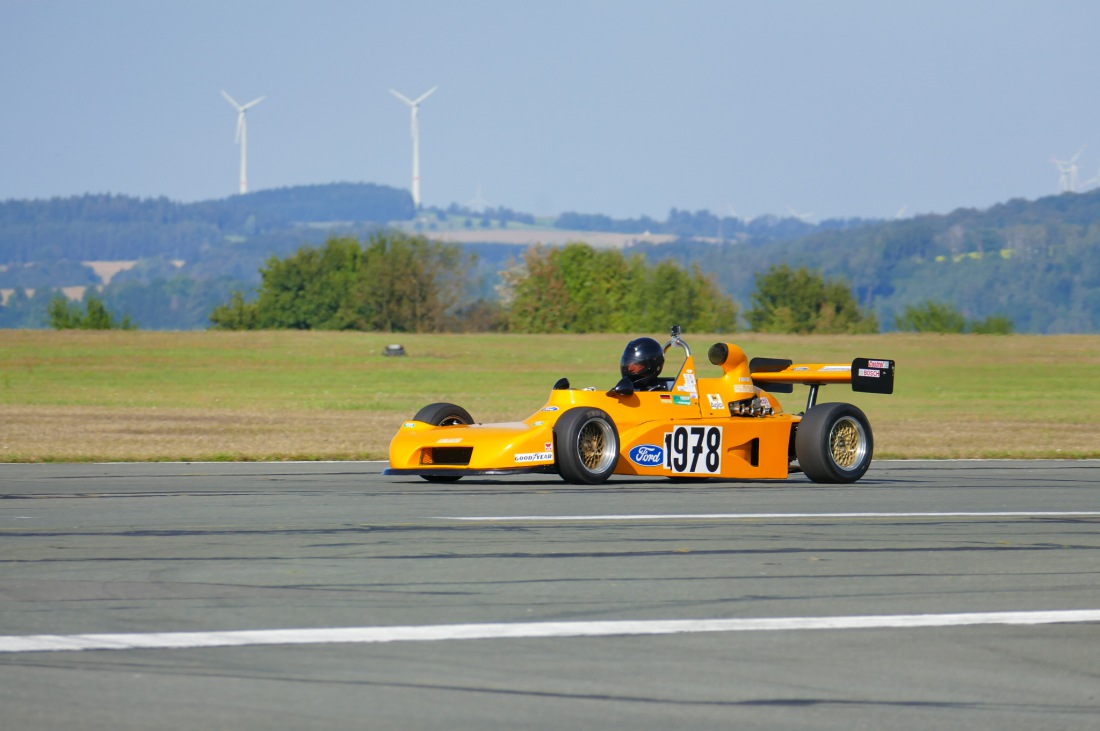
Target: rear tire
x=834, y=443
x=586, y=443
x=443, y=414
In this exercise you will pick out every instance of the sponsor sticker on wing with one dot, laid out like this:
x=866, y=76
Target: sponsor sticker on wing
x=834, y=368
x=878, y=364
x=869, y=372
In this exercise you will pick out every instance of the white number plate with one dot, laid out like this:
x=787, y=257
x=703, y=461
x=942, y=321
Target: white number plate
x=694, y=450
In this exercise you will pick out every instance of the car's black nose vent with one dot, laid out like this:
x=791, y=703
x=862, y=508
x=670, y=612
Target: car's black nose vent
x=446, y=455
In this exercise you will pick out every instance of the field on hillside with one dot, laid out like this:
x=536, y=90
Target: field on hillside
x=142, y=395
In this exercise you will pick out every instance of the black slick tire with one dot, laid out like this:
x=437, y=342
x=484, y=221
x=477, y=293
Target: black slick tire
x=586, y=444
x=443, y=414
x=834, y=443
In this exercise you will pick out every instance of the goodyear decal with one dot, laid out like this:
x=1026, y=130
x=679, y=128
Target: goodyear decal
x=546, y=455
x=647, y=455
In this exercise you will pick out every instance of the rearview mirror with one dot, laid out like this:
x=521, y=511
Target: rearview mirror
x=625, y=387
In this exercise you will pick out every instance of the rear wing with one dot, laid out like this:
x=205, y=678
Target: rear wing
x=867, y=375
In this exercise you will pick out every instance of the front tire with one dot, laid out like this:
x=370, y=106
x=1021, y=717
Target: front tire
x=834, y=443
x=587, y=446
x=443, y=414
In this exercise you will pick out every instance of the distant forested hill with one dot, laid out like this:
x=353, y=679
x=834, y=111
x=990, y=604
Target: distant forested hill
x=1037, y=262
x=113, y=227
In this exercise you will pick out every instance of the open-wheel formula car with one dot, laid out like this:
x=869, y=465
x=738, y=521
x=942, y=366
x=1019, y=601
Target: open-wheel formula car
x=689, y=427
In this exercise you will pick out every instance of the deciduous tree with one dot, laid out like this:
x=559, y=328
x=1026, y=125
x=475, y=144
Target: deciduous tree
x=577, y=288
x=802, y=301
x=396, y=283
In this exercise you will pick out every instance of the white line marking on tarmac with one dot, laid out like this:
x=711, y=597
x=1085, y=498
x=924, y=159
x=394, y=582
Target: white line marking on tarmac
x=523, y=630
x=772, y=516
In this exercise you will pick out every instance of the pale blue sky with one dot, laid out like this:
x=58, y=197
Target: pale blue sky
x=626, y=108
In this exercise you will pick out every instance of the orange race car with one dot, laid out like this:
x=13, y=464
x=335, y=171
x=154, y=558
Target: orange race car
x=683, y=427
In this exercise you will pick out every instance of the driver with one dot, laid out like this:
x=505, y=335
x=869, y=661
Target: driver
x=642, y=362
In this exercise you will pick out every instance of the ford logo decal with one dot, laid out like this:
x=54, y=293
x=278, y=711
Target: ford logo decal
x=647, y=455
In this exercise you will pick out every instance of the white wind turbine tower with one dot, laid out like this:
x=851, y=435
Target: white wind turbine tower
x=242, y=134
x=478, y=204
x=415, y=106
x=1067, y=170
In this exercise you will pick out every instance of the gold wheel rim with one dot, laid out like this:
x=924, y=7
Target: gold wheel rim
x=592, y=445
x=847, y=443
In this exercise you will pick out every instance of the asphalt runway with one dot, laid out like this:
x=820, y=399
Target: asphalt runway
x=323, y=595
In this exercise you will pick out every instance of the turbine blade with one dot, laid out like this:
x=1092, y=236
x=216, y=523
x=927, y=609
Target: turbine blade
x=402, y=97
x=426, y=94
x=253, y=103
x=230, y=99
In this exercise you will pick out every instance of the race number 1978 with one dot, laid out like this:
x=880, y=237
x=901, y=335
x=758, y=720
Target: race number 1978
x=694, y=450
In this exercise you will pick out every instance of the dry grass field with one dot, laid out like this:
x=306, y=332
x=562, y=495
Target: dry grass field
x=133, y=396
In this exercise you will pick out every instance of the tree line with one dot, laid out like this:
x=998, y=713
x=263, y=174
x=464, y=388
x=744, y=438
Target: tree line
x=1034, y=264
x=400, y=283
x=114, y=227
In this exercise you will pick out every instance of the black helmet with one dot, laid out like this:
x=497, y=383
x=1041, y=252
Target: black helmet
x=642, y=361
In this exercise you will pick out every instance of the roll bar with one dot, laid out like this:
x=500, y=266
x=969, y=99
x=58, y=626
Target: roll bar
x=677, y=341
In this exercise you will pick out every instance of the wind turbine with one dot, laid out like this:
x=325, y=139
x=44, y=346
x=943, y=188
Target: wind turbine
x=1067, y=170
x=803, y=217
x=478, y=204
x=1094, y=181
x=415, y=106
x=242, y=134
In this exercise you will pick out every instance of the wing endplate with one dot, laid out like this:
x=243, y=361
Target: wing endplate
x=873, y=375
